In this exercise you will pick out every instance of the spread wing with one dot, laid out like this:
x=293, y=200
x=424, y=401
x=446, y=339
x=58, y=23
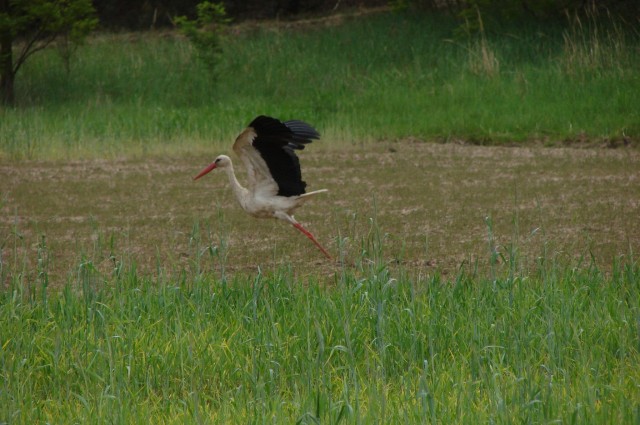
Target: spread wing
x=267, y=149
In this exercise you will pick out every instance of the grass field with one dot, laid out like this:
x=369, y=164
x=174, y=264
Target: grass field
x=464, y=292
x=559, y=346
x=386, y=76
x=472, y=284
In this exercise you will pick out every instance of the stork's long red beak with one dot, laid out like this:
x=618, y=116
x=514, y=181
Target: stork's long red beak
x=206, y=170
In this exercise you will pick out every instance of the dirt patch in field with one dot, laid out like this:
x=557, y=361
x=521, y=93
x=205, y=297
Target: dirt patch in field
x=430, y=207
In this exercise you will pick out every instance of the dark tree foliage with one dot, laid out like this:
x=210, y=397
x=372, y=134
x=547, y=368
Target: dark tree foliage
x=141, y=14
x=145, y=14
x=538, y=9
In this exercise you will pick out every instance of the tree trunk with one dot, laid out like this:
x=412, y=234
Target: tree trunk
x=7, y=73
x=7, y=95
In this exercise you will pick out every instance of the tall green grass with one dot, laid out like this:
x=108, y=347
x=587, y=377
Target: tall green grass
x=383, y=76
x=369, y=345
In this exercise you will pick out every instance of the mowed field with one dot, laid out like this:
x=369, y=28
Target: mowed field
x=471, y=284
x=437, y=207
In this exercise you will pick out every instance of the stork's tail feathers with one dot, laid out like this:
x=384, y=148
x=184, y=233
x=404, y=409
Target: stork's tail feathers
x=315, y=192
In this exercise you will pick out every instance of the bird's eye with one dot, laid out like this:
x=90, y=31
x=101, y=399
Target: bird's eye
x=217, y=160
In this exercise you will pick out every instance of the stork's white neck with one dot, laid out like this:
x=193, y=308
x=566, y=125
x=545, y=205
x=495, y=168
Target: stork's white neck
x=240, y=192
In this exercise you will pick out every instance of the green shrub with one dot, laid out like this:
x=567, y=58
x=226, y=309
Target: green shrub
x=206, y=32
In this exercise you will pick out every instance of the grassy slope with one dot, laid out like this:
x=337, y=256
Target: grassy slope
x=385, y=76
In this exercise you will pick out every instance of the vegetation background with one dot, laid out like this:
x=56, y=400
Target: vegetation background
x=473, y=283
x=440, y=75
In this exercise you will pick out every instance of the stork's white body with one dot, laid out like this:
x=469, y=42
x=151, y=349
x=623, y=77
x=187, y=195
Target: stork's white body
x=275, y=187
x=262, y=202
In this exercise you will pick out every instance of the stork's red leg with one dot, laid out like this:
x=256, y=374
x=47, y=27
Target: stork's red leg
x=313, y=239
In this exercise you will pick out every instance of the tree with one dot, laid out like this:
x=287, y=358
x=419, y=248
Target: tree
x=206, y=32
x=28, y=26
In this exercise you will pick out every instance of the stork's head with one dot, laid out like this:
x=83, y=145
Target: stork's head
x=221, y=162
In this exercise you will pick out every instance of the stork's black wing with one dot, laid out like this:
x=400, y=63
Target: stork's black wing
x=276, y=141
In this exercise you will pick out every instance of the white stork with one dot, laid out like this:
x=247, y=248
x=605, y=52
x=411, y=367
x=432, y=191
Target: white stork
x=276, y=187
